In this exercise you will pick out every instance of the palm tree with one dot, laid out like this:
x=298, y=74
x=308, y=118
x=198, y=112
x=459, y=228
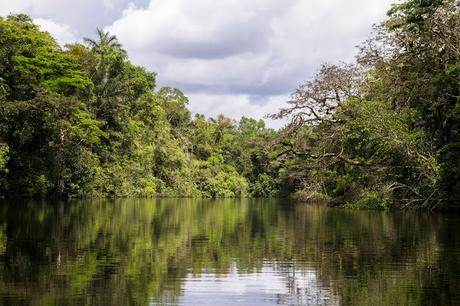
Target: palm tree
x=223, y=123
x=106, y=74
x=104, y=42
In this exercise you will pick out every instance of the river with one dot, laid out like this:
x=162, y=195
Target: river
x=224, y=252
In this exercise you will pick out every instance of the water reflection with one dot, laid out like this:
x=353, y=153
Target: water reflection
x=246, y=252
x=273, y=284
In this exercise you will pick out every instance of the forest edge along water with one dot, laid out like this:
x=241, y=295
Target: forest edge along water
x=380, y=132
x=224, y=252
x=209, y=210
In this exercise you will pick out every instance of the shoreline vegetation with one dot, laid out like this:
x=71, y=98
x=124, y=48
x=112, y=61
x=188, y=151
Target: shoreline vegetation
x=383, y=132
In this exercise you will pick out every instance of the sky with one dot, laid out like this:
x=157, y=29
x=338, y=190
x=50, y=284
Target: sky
x=236, y=57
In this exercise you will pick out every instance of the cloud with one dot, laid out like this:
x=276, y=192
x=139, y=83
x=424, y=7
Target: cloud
x=237, y=105
x=61, y=32
x=198, y=29
x=82, y=16
x=244, y=46
x=224, y=53
x=234, y=56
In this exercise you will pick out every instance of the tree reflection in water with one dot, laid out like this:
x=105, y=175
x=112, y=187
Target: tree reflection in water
x=140, y=252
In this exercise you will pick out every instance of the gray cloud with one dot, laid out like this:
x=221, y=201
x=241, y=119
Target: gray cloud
x=238, y=57
x=251, y=47
x=82, y=16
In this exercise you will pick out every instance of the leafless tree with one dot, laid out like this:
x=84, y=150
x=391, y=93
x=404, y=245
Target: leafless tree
x=318, y=99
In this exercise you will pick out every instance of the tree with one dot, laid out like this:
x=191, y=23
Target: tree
x=387, y=128
x=319, y=99
x=104, y=43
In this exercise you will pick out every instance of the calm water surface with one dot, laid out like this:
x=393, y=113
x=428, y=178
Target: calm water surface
x=232, y=252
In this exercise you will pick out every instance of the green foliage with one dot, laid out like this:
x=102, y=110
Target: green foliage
x=450, y=174
x=4, y=149
x=384, y=132
x=381, y=133
x=216, y=179
x=374, y=200
x=31, y=61
x=413, y=14
x=265, y=186
x=4, y=157
x=85, y=122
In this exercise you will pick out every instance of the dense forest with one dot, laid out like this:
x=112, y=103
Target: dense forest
x=381, y=132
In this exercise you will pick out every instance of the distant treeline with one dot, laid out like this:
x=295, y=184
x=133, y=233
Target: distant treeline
x=383, y=132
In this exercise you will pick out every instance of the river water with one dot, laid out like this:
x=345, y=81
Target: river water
x=227, y=252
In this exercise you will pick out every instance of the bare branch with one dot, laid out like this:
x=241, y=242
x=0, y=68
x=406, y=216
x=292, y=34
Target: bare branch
x=319, y=99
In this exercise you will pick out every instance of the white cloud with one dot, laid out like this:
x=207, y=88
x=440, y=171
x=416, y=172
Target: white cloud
x=60, y=32
x=236, y=106
x=220, y=53
x=244, y=45
x=11, y=7
x=223, y=52
x=83, y=16
x=200, y=28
